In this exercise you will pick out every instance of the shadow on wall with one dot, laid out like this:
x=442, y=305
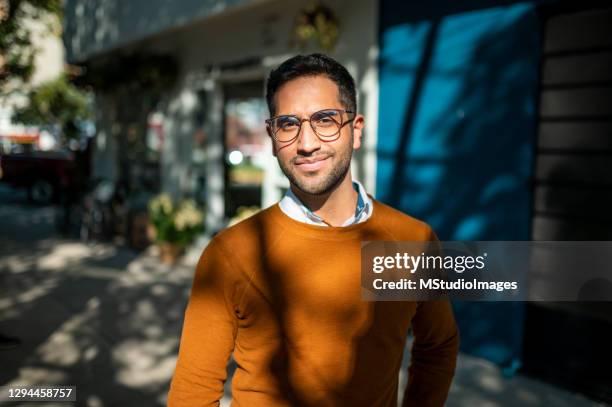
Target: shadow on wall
x=457, y=129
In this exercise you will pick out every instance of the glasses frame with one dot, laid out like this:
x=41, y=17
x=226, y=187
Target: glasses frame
x=333, y=137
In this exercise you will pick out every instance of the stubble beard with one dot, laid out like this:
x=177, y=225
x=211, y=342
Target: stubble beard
x=324, y=183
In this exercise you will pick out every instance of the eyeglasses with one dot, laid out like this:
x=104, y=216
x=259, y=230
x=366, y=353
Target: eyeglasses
x=326, y=124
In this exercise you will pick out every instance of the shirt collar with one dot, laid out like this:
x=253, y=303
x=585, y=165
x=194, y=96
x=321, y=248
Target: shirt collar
x=294, y=208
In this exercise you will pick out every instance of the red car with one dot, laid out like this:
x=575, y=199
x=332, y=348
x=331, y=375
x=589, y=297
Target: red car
x=44, y=173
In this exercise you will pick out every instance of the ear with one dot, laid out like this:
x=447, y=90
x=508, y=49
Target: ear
x=358, y=123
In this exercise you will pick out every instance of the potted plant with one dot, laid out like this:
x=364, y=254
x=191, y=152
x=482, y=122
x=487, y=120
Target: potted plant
x=173, y=225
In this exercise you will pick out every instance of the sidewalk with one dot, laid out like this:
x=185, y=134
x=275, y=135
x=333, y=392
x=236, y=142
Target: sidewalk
x=108, y=321
x=109, y=324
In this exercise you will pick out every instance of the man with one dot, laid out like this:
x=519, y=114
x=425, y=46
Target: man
x=281, y=290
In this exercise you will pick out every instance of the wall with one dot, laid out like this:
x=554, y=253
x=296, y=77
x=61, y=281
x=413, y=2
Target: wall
x=245, y=44
x=573, y=192
x=458, y=91
x=94, y=27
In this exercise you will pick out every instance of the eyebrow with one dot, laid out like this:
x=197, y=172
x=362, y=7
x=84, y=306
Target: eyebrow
x=329, y=109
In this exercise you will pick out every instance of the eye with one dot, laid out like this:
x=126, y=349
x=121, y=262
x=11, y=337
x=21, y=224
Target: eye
x=286, y=123
x=326, y=118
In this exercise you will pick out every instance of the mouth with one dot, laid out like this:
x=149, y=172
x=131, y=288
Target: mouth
x=311, y=164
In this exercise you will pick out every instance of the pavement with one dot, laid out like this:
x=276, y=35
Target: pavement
x=107, y=320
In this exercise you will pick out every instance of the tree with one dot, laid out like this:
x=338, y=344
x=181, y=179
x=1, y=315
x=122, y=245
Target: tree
x=17, y=51
x=57, y=102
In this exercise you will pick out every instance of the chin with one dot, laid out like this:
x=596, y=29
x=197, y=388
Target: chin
x=310, y=188
x=319, y=186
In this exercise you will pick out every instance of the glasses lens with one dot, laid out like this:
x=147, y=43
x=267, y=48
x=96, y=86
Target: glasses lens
x=285, y=127
x=327, y=122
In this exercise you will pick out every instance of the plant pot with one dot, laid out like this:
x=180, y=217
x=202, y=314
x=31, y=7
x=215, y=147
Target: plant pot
x=169, y=253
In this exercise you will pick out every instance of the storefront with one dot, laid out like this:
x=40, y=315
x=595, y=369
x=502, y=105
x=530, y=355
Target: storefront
x=206, y=130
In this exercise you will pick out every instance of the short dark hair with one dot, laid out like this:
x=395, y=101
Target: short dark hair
x=312, y=65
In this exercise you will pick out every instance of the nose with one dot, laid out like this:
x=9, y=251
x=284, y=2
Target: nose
x=307, y=141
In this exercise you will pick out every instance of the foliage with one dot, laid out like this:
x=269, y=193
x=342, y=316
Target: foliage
x=317, y=23
x=16, y=49
x=56, y=102
x=175, y=223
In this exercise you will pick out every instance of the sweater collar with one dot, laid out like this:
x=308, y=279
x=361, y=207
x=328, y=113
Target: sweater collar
x=293, y=207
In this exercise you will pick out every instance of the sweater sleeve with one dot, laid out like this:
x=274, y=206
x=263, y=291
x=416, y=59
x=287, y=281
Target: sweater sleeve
x=209, y=332
x=434, y=352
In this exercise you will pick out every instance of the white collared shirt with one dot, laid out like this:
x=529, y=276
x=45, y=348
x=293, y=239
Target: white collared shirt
x=295, y=209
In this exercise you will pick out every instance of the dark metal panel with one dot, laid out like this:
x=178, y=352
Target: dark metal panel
x=579, y=69
x=576, y=137
x=574, y=203
x=577, y=103
x=567, y=169
x=560, y=228
x=579, y=31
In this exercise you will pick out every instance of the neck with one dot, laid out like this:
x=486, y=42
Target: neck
x=335, y=206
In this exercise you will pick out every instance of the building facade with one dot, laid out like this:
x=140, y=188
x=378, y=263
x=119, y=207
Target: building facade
x=207, y=128
x=488, y=119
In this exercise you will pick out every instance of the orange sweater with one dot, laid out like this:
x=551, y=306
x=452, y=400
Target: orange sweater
x=285, y=298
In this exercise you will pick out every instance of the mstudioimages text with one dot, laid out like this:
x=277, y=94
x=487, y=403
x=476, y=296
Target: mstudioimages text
x=440, y=284
x=405, y=261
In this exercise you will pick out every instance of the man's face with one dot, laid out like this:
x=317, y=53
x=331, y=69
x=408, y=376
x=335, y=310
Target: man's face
x=313, y=166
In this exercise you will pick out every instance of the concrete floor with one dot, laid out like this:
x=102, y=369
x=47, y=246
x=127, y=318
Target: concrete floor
x=107, y=320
